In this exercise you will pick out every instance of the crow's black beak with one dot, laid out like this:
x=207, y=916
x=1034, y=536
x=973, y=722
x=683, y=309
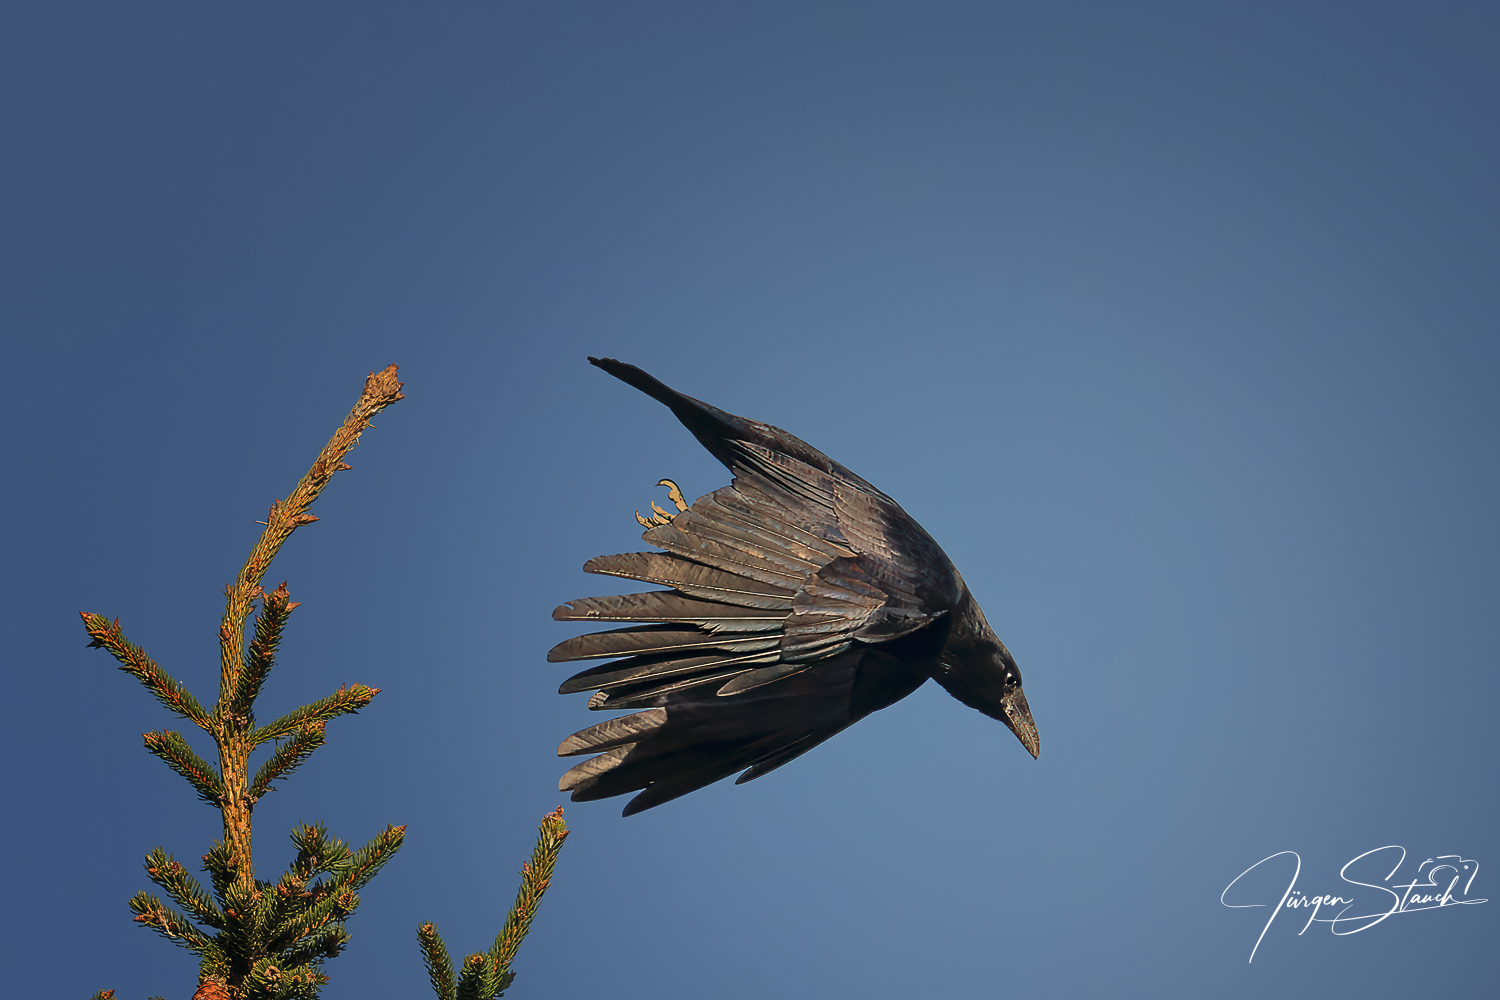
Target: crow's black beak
x=1018, y=718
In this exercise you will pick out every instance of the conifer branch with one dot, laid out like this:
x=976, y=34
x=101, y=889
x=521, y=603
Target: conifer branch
x=439, y=964
x=287, y=758
x=536, y=876
x=241, y=937
x=276, y=608
x=183, y=889
x=324, y=903
x=317, y=850
x=153, y=913
x=347, y=700
x=276, y=980
x=472, y=979
x=326, y=944
x=134, y=661
x=484, y=977
x=256, y=918
x=287, y=516
x=219, y=863
x=289, y=898
x=355, y=874
x=327, y=913
x=310, y=918
x=175, y=752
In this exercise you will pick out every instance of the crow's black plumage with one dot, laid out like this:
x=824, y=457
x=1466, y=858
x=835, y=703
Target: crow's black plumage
x=802, y=600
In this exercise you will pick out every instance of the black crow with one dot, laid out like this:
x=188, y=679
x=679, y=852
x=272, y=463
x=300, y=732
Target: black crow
x=802, y=600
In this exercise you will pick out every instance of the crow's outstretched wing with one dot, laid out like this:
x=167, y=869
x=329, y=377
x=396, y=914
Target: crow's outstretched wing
x=802, y=600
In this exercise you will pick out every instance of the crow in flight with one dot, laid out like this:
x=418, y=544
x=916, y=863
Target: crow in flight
x=802, y=600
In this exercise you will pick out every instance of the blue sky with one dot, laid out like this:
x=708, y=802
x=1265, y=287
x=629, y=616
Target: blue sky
x=1174, y=324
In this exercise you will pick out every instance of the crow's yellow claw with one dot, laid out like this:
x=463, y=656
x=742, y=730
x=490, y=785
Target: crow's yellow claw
x=661, y=517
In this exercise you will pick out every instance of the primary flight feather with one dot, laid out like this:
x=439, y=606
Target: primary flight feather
x=802, y=599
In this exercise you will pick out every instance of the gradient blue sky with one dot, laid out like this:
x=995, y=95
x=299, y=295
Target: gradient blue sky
x=1174, y=323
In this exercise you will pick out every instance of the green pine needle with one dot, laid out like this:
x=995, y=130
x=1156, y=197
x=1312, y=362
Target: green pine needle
x=134, y=661
x=183, y=888
x=287, y=758
x=536, y=876
x=355, y=873
x=153, y=913
x=276, y=608
x=179, y=756
x=346, y=700
x=472, y=977
x=439, y=965
x=484, y=977
x=273, y=979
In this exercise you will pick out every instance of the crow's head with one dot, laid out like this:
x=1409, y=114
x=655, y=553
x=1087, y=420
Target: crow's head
x=977, y=669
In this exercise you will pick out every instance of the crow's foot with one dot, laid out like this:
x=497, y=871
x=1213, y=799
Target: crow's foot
x=662, y=517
